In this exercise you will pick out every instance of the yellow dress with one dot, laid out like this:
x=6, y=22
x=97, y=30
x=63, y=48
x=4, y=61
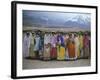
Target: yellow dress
x=60, y=53
x=81, y=41
x=77, y=43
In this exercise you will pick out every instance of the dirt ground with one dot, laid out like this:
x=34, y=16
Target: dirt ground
x=39, y=64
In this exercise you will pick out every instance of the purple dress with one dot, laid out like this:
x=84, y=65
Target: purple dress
x=86, y=46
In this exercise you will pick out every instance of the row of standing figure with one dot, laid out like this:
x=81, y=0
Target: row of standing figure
x=58, y=46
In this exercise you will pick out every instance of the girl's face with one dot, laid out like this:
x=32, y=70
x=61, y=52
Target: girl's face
x=27, y=35
x=32, y=34
x=37, y=35
x=70, y=35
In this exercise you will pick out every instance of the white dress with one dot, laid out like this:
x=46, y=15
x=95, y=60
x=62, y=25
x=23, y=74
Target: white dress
x=46, y=53
x=26, y=46
x=37, y=41
x=47, y=39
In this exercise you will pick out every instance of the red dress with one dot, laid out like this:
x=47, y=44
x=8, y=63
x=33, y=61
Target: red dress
x=53, y=51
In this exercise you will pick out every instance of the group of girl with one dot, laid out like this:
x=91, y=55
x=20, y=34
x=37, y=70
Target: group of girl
x=56, y=45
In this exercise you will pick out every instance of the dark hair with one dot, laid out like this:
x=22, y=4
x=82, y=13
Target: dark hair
x=27, y=34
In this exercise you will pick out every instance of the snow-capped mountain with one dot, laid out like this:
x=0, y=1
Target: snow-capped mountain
x=78, y=21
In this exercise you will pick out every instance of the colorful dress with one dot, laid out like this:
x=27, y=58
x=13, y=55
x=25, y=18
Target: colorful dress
x=66, y=47
x=36, y=46
x=60, y=48
x=81, y=46
x=71, y=48
x=46, y=54
x=41, y=46
x=86, y=47
x=77, y=54
x=31, y=49
x=37, y=43
x=53, y=51
x=26, y=46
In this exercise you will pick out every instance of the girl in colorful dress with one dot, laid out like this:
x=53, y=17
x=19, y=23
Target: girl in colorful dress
x=60, y=47
x=46, y=54
x=76, y=39
x=66, y=36
x=86, y=46
x=53, y=52
x=81, y=45
x=37, y=45
x=31, y=50
x=71, y=47
x=26, y=45
x=41, y=45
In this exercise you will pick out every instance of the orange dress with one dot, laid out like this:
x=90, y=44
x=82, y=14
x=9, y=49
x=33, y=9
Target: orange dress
x=71, y=49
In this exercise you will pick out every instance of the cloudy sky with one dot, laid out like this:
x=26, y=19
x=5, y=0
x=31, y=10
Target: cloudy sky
x=56, y=19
